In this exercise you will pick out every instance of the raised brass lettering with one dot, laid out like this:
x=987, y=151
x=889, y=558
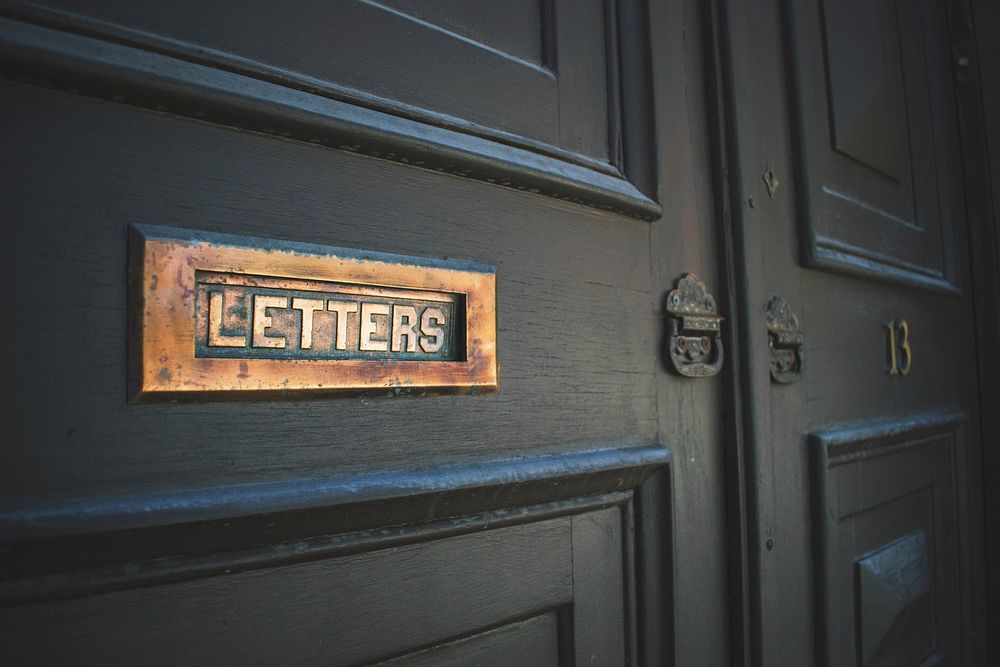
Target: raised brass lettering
x=369, y=327
x=215, y=336
x=262, y=321
x=407, y=324
x=302, y=318
x=308, y=307
x=404, y=325
x=433, y=337
x=343, y=309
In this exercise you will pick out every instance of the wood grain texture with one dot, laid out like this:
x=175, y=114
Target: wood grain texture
x=599, y=602
x=68, y=549
x=569, y=284
x=653, y=581
x=359, y=49
x=519, y=28
x=873, y=484
x=153, y=71
x=550, y=591
x=341, y=611
x=689, y=411
x=844, y=378
x=885, y=217
x=335, y=531
x=534, y=641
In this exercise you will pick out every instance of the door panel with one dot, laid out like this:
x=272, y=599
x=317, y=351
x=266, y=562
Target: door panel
x=863, y=499
x=598, y=508
x=885, y=508
x=478, y=65
x=866, y=82
x=158, y=506
x=328, y=198
x=338, y=611
x=425, y=528
x=416, y=86
x=549, y=589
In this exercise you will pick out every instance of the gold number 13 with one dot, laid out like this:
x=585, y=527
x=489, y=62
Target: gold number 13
x=898, y=347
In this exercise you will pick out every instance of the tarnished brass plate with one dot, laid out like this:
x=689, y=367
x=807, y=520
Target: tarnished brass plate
x=215, y=315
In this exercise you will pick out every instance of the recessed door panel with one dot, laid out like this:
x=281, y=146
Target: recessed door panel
x=875, y=199
x=434, y=85
x=468, y=65
x=886, y=507
x=538, y=590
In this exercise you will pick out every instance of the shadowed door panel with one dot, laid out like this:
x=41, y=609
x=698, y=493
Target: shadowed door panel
x=887, y=511
x=873, y=136
x=574, y=273
x=551, y=588
x=534, y=641
x=468, y=65
x=863, y=482
x=533, y=521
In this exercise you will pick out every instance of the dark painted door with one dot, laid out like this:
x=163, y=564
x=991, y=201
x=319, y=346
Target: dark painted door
x=529, y=526
x=864, y=502
x=814, y=502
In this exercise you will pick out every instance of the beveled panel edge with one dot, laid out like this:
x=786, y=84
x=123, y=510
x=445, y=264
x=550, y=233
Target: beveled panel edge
x=819, y=253
x=826, y=257
x=94, y=66
x=424, y=655
x=853, y=441
x=163, y=362
x=542, y=66
x=183, y=234
x=161, y=537
x=593, y=471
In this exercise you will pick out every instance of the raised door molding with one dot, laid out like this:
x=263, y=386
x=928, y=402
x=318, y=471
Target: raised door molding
x=449, y=95
x=887, y=540
x=877, y=185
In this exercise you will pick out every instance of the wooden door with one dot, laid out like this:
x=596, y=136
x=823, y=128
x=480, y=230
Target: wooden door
x=862, y=477
x=542, y=524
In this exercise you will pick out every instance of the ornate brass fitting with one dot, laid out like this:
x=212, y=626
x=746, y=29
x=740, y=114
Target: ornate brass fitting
x=785, y=341
x=695, y=343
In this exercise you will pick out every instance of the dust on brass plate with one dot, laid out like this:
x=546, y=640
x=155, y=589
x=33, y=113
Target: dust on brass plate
x=242, y=316
x=225, y=316
x=695, y=333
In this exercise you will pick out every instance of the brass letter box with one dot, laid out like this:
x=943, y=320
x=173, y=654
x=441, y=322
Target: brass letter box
x=220, y=315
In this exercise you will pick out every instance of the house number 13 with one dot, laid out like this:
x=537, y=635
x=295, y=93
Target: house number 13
x=897, y=341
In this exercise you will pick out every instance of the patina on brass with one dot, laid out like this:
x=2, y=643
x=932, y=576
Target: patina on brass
x=695, y=343
x=219, y=315
x=262, y=317
x=785, y=341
